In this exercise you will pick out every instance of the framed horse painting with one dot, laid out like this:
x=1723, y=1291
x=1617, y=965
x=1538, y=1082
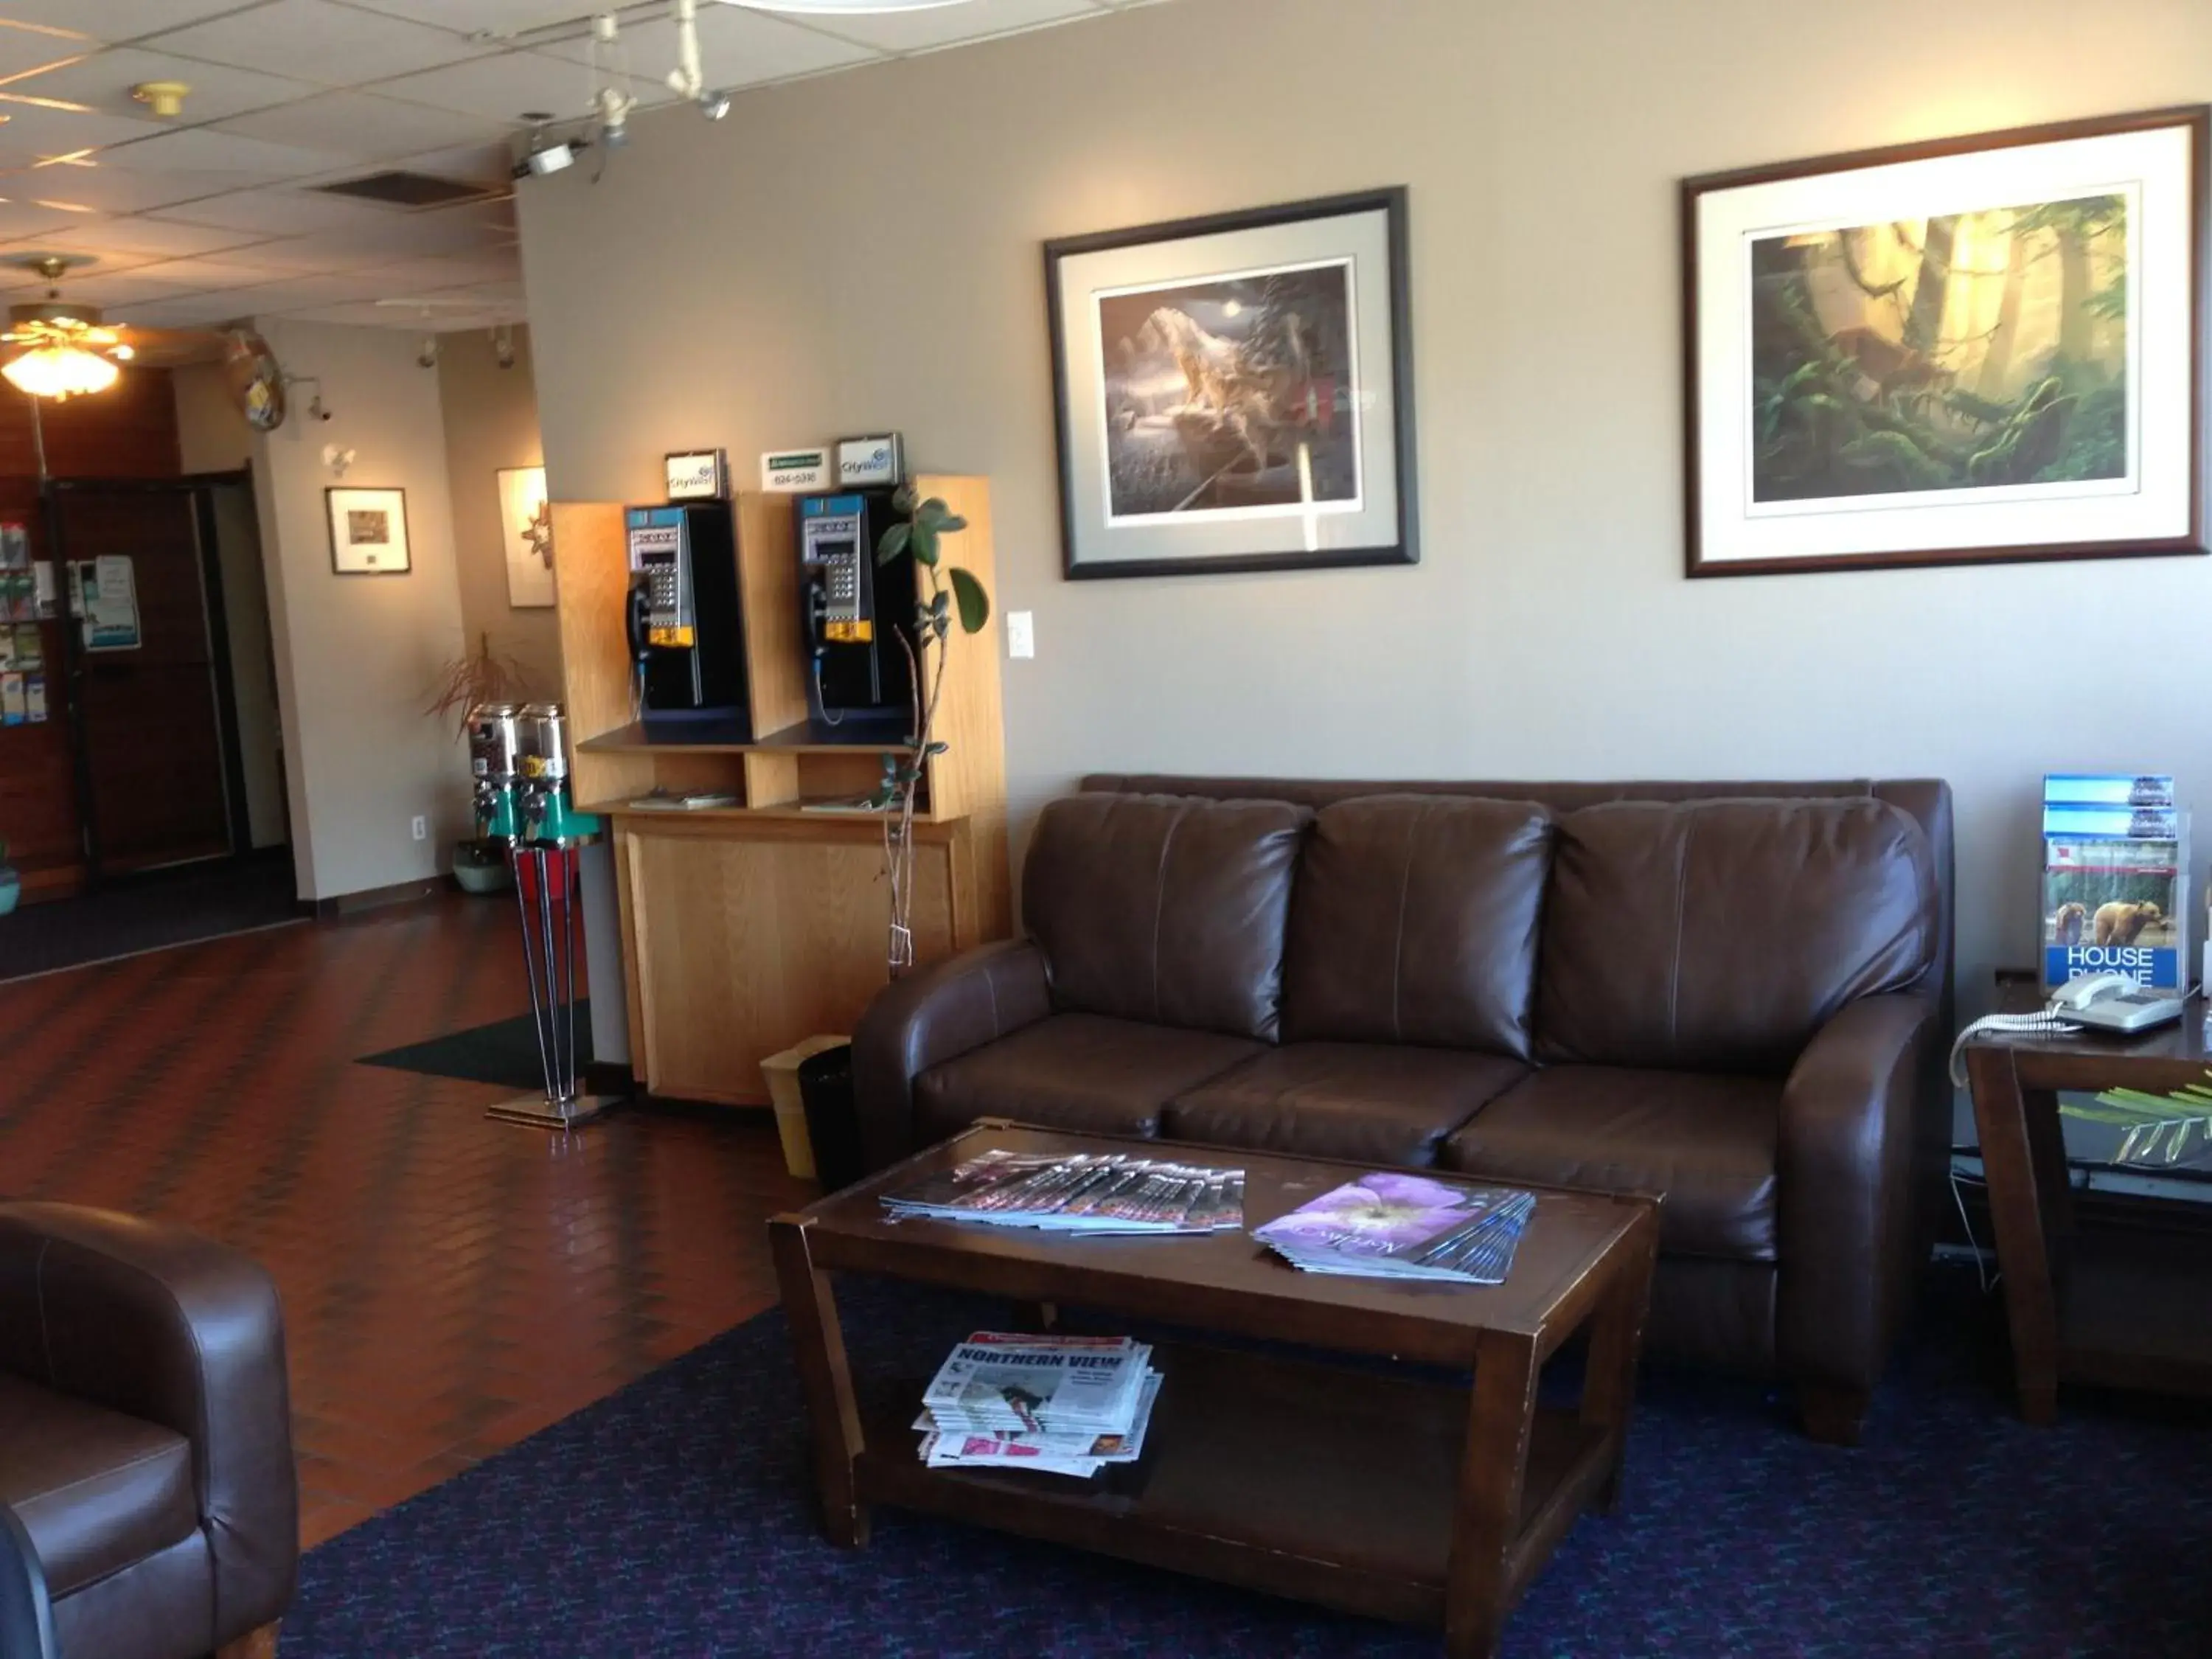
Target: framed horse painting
x=1236, y=392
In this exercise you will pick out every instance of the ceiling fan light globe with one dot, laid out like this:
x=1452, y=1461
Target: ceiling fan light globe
x=59, y=371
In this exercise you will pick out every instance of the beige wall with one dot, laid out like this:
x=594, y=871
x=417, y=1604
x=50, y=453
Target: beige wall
x=491, y=422
x=862, y=251
x=358, y=656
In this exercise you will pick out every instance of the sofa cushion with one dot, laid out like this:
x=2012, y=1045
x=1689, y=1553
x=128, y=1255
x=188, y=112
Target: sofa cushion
x=1081, y=1072
x=1708, y=1143
x=1162, y=909
x=96, y=1490
x=1720, y=935
x=1414, y=919
x=1374, y=1103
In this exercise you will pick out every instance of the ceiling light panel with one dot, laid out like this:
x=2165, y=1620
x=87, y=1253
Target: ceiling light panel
x=313, y=40
x=104, y=83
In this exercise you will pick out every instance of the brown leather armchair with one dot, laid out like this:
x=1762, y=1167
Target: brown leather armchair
x=145, y=1434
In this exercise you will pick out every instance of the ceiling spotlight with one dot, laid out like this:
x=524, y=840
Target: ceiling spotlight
x=609, y=103
x=715, y=104
x=428, y=356
x=503, y=345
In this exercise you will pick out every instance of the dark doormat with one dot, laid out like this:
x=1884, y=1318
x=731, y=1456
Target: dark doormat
x=504, y=1052
x=152, y=912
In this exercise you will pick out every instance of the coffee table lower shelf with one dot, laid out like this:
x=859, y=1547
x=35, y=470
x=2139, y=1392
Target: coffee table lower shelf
x=1310, y=1480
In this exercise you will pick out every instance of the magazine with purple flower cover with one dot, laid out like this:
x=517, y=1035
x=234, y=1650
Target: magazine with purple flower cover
x=1395, y=1224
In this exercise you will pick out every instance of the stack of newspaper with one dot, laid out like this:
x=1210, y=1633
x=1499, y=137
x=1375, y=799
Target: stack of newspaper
x=1392, y=1224
x=1090, y=1193
x=1062, y=1405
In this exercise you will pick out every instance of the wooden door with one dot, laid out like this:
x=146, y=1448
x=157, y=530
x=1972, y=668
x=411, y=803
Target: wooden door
x=148, y=714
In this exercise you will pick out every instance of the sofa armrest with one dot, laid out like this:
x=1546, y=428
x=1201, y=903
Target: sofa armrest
x=926, y=1018
x=27, y=1619
x=1846, y=1164
x=164, y=1325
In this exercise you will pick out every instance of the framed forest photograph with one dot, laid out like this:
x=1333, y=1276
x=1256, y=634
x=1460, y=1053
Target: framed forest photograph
x=1236, y=392
x=1979, y=349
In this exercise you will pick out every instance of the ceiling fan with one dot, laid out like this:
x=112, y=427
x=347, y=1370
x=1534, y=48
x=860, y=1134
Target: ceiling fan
x=62, y=350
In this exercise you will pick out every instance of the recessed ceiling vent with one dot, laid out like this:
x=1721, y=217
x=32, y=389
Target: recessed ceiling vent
x=398, y=189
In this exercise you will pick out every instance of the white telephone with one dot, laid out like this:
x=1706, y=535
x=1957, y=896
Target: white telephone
x=2110, y=1002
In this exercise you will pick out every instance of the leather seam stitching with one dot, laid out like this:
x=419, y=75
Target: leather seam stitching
x=1674, y=967
x=112, y=1469
x=1398, y=943
x=1160, y=903
x=38, y=1296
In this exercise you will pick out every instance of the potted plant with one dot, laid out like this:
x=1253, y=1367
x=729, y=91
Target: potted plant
x=464, y=684
x=944, y=592
x=11, y=884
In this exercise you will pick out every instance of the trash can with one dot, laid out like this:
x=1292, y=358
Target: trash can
x=833, y=1121
x=782, y=1074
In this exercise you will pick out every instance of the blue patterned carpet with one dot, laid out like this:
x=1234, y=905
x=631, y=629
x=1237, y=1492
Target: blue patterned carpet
x=674, y=1520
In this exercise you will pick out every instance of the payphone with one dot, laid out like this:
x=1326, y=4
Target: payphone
x=685, y=618
x=853, y=607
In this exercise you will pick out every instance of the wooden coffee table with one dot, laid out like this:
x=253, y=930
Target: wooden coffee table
x=1385, y=1493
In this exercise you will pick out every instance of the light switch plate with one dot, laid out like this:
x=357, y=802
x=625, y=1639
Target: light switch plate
x=1021, y=634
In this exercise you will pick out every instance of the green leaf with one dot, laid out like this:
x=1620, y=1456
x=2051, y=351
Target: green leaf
x=974, y=602
x=940, y=749
x=933, y=512
x=952, y=525
x=925, y=543
x=893, y=542
x=940, y=603
x=903, y=498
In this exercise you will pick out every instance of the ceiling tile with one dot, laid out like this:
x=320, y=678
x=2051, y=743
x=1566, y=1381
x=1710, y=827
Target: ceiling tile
x=204, y=149
x=282, y=211
x=114, y=20
x=946, y=26
x=361, y=127
x=123, y=190
x=501, y=88
x=392, y=237
x=337, y=45
x=737, y=47
x=185, y=310
x=207, y=274
x=19, y=261
x=495, y=17
x=31, y=132
x=492, y=164
x=23, y=51
x=104, y=81
x=150, y=238
x=19, y=219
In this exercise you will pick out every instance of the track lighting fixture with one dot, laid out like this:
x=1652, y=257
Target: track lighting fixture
x=503, y=345
x=609, y=103
x=428, y=356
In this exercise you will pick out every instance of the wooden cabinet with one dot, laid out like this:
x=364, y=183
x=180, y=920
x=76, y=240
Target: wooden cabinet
x=748, y=928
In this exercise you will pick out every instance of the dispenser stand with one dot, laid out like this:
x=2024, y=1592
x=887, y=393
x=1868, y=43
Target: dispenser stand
x=544, y=893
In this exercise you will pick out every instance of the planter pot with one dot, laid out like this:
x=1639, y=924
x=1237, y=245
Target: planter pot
x=11, y=888
x=833, y=1122
x=481, y=875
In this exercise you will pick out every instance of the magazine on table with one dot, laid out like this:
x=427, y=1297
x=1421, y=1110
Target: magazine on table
x=1089, y=1193
x=1059, y=1385
x=1394, y=1224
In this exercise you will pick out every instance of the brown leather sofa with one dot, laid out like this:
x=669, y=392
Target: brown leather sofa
x=1736, y=994
x=145, y=1434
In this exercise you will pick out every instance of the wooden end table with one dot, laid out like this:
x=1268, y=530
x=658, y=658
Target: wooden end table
x=2122, y=1308
x=1385, y=1494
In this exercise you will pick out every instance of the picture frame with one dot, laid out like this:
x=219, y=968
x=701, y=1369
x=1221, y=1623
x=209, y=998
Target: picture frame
x=1236, y=392
x=525, y=527
x=368, y=531
x=1977, y=349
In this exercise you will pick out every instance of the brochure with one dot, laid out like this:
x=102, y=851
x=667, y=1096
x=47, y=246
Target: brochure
x=1393, y=1225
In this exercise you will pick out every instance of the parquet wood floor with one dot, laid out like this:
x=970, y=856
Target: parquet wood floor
x=450, y=1285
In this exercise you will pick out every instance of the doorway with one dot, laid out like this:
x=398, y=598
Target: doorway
x=169, y=672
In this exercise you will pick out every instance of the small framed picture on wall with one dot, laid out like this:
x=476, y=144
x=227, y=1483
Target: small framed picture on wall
x=1958, y=352
x=368, y=531
x=526, y=523
x=1236, y=392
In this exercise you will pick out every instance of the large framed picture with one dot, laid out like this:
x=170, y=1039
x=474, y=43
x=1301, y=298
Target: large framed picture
x=1236, y=392
x=368, y=531
x=1979, y=349
x=525, y=525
